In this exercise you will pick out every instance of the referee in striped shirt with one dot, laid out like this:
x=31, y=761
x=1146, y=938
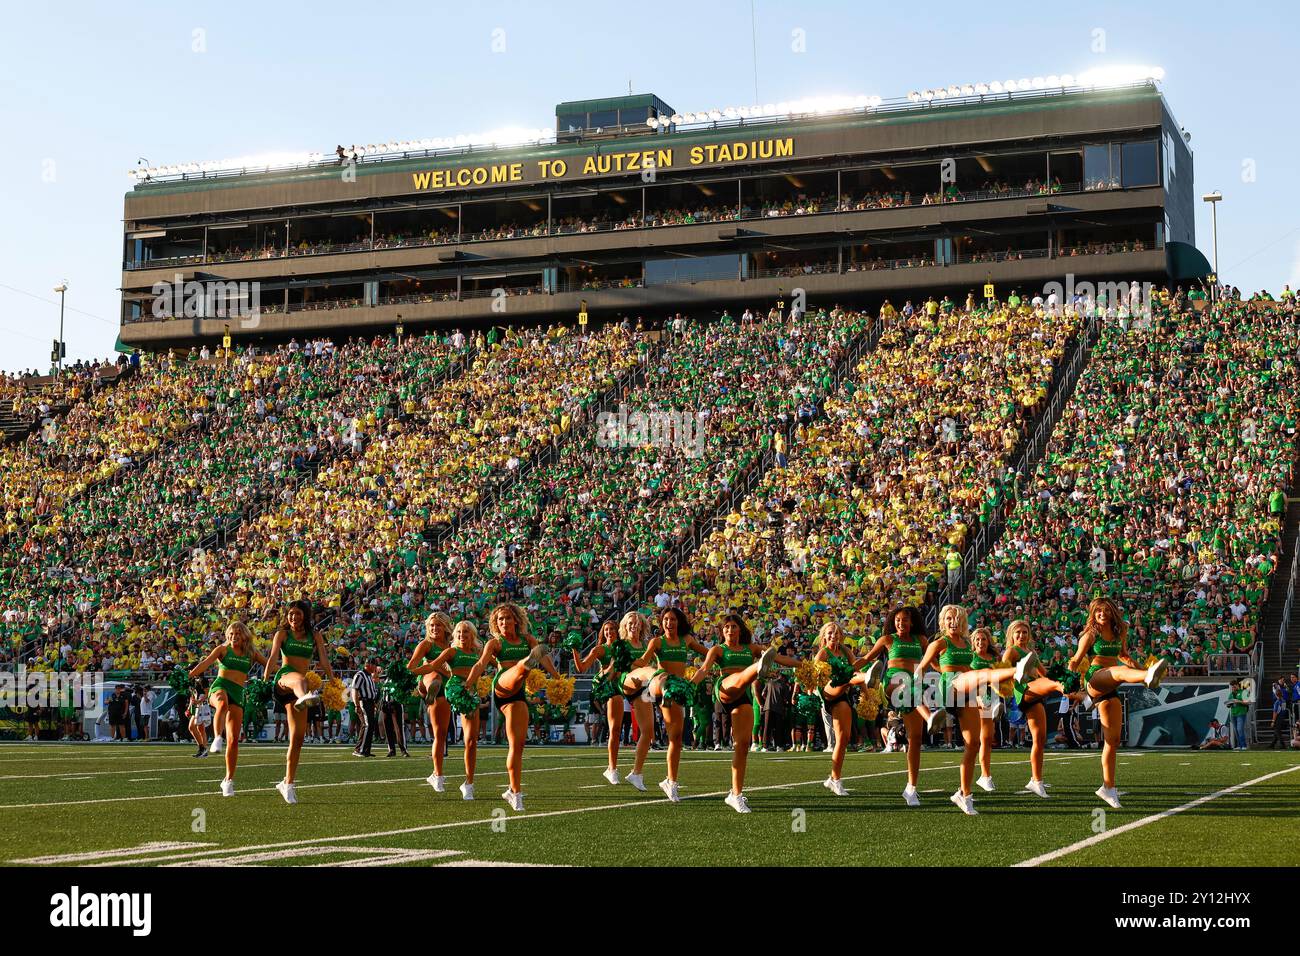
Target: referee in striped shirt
x=364, y=693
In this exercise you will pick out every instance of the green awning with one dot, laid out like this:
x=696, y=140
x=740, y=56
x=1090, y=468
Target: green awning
x=1184, y=261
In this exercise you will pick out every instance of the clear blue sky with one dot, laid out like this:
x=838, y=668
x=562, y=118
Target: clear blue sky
x=90, y=87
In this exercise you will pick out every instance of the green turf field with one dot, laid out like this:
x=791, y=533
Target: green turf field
x=104, y=804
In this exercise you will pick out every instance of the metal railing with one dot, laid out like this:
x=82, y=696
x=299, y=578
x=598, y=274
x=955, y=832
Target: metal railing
x=1289, y=605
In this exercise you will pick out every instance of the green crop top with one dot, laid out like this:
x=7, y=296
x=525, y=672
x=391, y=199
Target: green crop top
x=904, y=650
x=742, y=657
x=678, y=654
x=291, y=647
x=509, y=653
x=230, y=661
x=953, y=656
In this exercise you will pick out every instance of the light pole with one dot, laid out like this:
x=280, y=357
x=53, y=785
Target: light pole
x=1213, y=199
x=61, y=289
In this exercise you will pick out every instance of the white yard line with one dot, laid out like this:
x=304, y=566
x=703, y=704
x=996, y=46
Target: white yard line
x=1153, y=818
x=522, y=816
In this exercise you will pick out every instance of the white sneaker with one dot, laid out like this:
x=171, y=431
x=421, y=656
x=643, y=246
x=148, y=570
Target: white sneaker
x=828, y=749
x=1036, y=787
x=516, y=800
x=938, y=720
x=753, y=748
x=986, y=784
x=1026, y=667
x=669, y=787
x=306, y=700
x=910, y=796
x=875, y=672
x=227, y=788
x=216, y=746
x=467, y=791
x=835, y=786
x=996, y=708
x=535, y=657
x=611, y=775
x=717, y=746
x=737, y=802
x=1156, y=673
x=765, y=659
x=965, y=803
x=636, y=781
x=439, y=783
x=287, y=791
x=1087, y=703
x=1109, y=795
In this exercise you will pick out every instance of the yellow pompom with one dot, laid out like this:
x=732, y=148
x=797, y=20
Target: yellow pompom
x=691, y=671
x=313, y=681
x=483, y=687
x=559, y=691
x=869, y=704
x=536, y=681
x=812, y=674
x=333, y=696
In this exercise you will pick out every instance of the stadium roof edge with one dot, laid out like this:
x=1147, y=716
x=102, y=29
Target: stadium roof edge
x=443, y=158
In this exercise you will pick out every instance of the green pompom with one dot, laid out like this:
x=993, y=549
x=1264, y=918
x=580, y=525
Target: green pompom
x=459, y=697
x=807, y=707
x=179, y=680
x=622, y=654
x=257, y=695
x=841, y=670
x=678, y=690
x=574, y=641
x=602, y=689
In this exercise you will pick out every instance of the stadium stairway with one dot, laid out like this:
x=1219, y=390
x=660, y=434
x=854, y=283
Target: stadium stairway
x=608, y=400
x=11, y=425
x=1065, y=376
x=1279, y=629
x=746, y=482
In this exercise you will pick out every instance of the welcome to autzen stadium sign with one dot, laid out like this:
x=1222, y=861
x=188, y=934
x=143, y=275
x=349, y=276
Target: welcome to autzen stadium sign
x=639, y=161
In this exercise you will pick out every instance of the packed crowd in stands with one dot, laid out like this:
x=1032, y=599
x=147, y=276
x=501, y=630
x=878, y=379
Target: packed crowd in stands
x=864, y=509
x=363, y=514
x=258, y=422
x=1163, y=487
x=574, y=538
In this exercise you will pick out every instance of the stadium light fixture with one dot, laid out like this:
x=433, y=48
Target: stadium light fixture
x=1214, y=199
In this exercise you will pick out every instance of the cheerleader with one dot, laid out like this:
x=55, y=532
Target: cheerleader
x=1030, y=698
x=671, y=649
x=200, y=717
x=740, y=662
x=604, y=690
x=983, y=656
x=517, y=653
x=834, y=695
x=454, y=665
x=902, y=646
x=959, y=689
x=234, y=658
x=293, y=646
x=1103, y=659
x=429, y=685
